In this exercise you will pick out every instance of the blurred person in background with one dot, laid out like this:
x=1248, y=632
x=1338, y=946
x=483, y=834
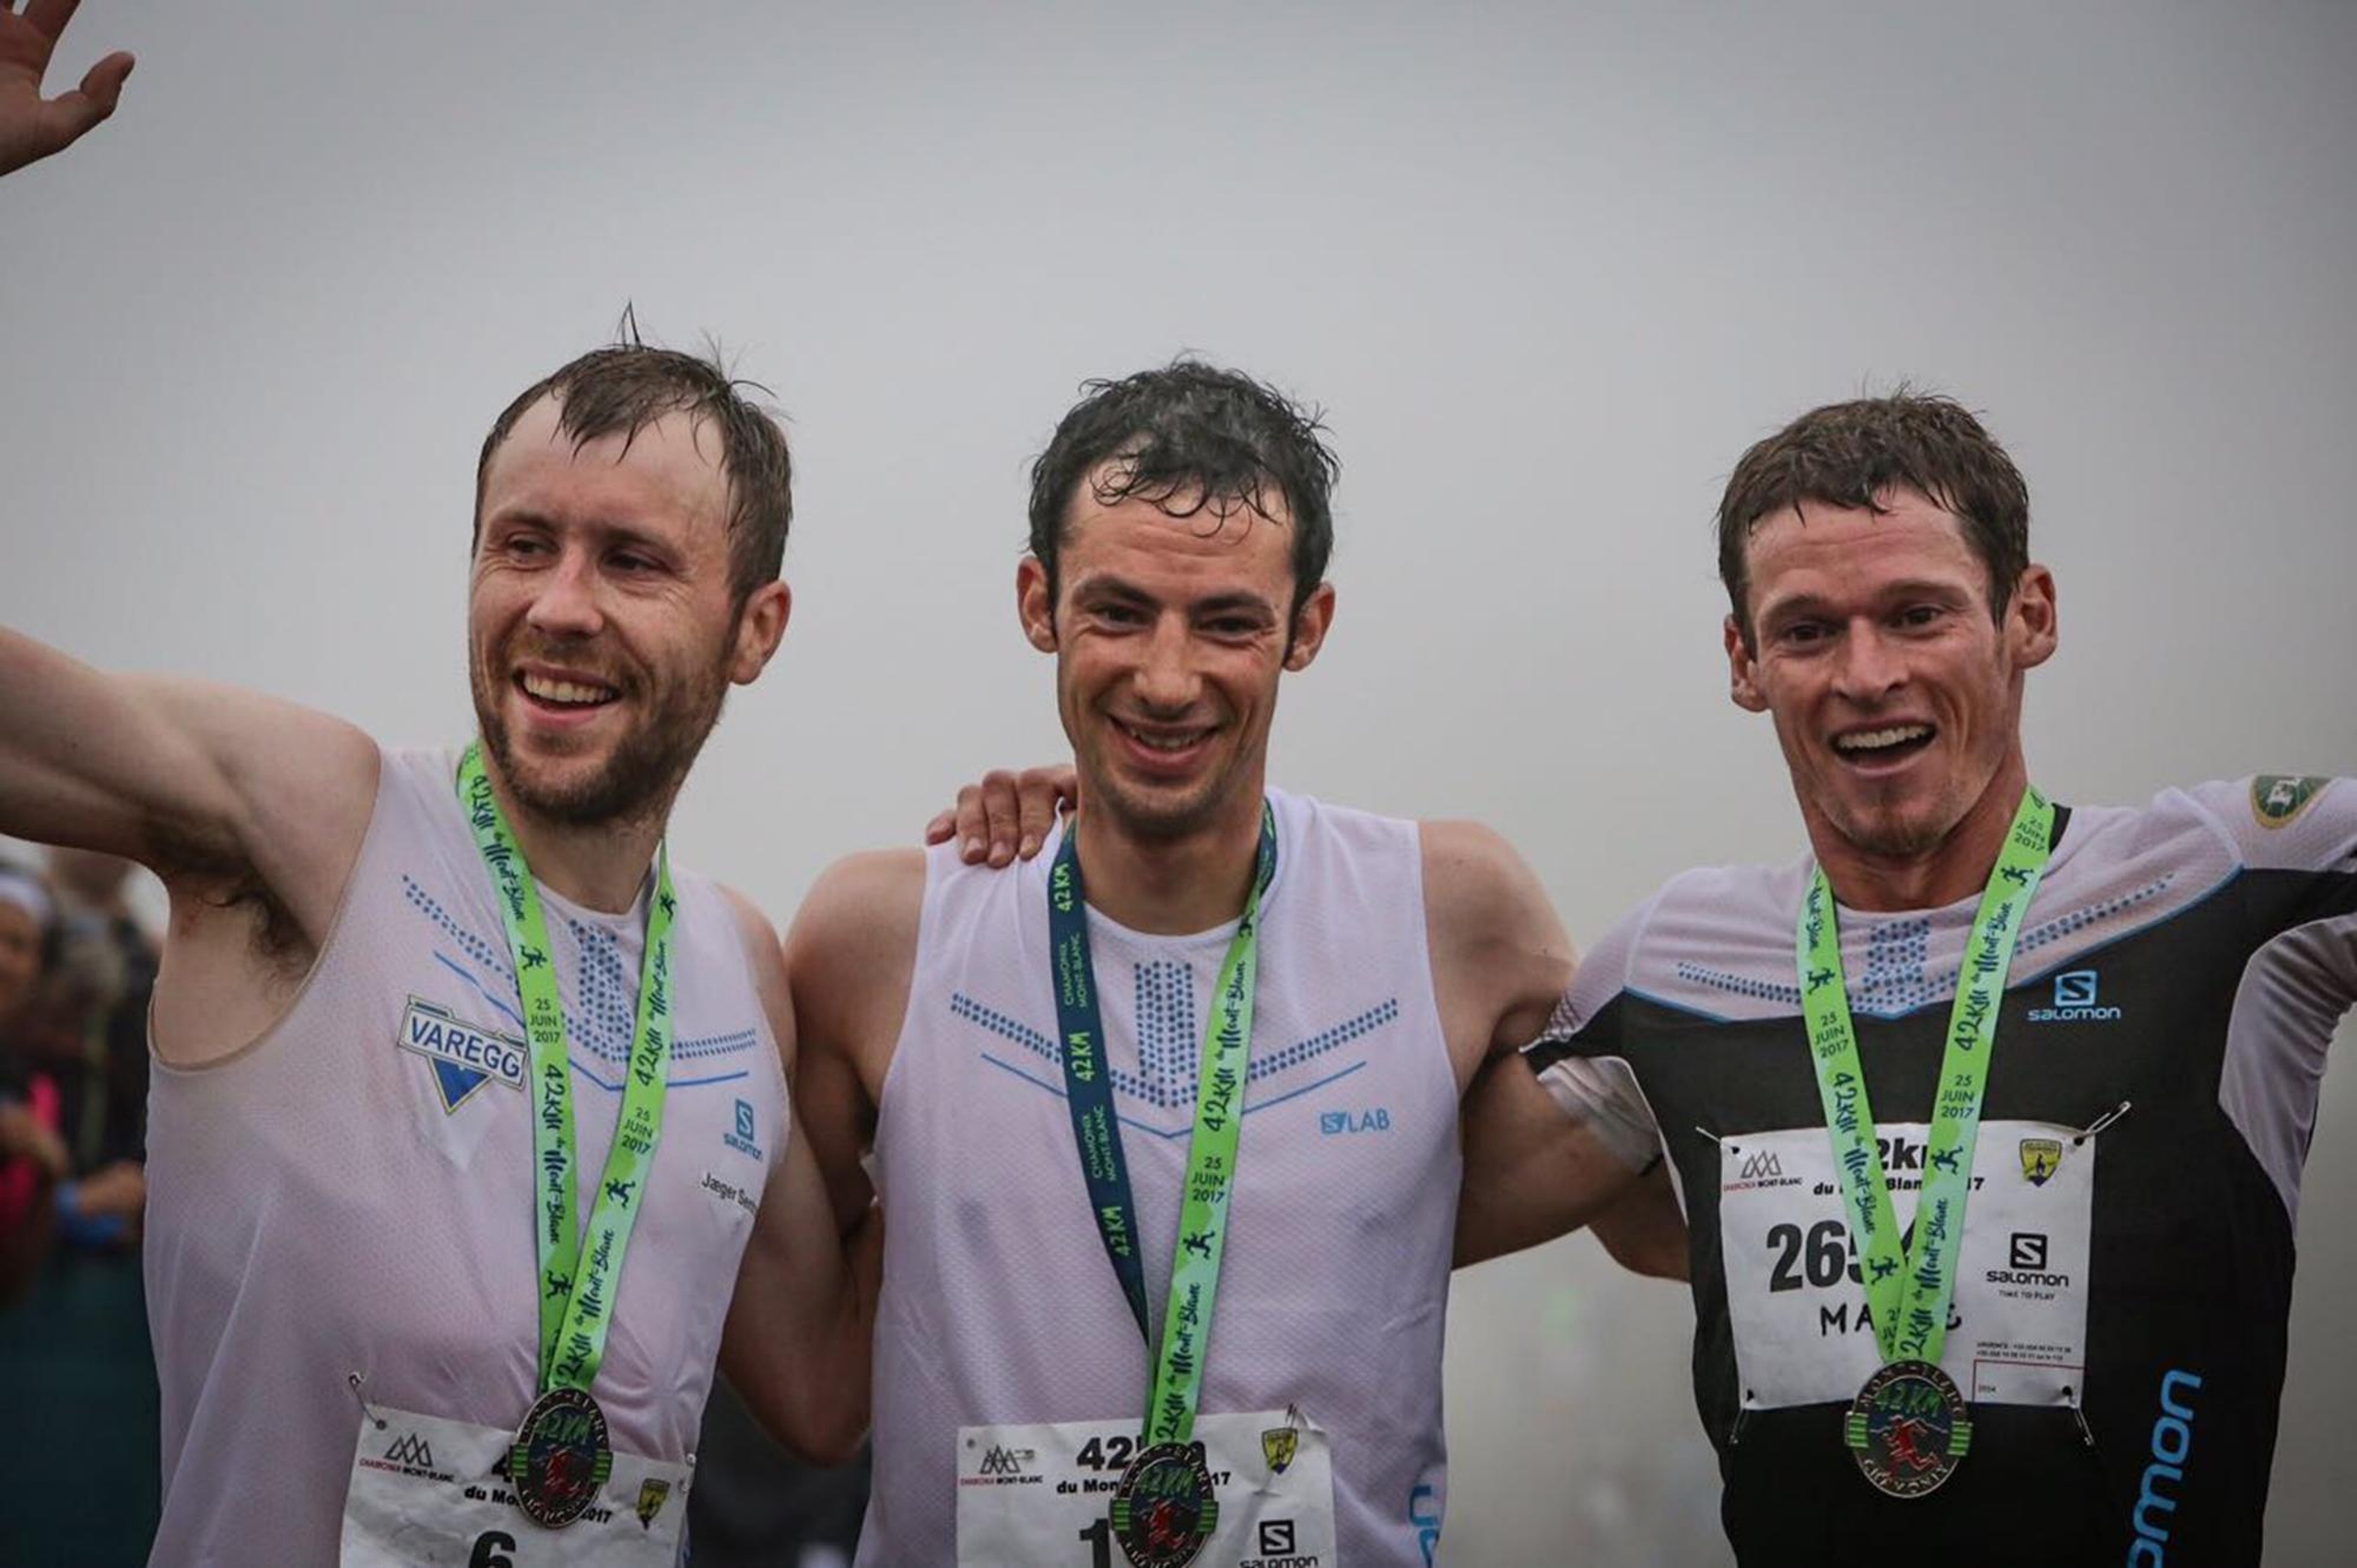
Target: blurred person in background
x=33, y=1157
x=109, y=1120
x=755, y=1505
x=73, y=1337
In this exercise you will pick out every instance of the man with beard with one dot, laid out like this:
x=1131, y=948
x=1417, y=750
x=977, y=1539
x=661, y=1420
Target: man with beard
x=1989, y=1116
x=389, y=978
x=1204, y=986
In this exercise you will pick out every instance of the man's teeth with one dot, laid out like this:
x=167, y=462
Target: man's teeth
x=1165, y=742
x=565, y=691
x=1876, y=740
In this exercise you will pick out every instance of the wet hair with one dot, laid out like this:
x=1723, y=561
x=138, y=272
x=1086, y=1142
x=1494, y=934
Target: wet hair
x=1192, y=438
x=627, y=386
x=1851, y=454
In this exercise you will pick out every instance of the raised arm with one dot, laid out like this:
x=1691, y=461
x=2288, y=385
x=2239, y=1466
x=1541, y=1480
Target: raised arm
x=1501, y=965
x=232, y=797
x=250, y=809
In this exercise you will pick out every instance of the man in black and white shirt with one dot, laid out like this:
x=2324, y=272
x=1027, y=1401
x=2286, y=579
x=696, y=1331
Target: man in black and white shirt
x=2121, y=1287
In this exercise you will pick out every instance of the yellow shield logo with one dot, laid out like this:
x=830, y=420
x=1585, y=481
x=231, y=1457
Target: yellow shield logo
x=1278, y=1445
x=2277, y=797
x=653, y=1496
x=2041, y=1158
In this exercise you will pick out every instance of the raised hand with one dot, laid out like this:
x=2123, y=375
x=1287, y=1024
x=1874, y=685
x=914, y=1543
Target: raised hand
x=32, y=127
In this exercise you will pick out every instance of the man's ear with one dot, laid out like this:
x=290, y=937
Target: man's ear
x=760, y=626
x=2031, y=625
x=1033, y=605
x=1742, y=671
x=1310, y=624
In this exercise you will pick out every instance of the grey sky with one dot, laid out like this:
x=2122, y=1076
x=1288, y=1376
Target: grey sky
x=1549, y=268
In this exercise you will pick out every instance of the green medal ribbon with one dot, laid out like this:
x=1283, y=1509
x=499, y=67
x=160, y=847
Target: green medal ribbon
x=576, y=1282
x=1908, y=1296
x=1177, y=1388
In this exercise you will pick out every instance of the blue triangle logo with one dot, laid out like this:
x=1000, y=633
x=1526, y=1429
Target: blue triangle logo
x=457, y=1084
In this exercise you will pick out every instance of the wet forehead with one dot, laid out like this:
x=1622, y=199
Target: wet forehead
x=1214, y=550
x=1844, y=554
x=668, y=475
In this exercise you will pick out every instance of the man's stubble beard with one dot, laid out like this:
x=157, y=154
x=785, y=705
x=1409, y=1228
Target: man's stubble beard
x=640, y=777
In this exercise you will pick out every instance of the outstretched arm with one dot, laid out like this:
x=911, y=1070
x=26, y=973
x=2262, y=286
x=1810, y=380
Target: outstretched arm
x=32, y=127
x=236, y=800
x=225, y=794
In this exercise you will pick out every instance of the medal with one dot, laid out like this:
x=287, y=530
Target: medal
x=1908, y=1429
x=561, y=1457
x=1162, y=1509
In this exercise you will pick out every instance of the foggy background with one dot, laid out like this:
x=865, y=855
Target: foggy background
x=1548, y=268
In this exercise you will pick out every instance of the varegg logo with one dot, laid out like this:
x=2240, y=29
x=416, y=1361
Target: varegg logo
x=2074, y=1001
x=465, y=1057
x=742, y=1137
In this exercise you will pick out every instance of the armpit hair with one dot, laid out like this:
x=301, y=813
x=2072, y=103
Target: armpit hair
x=218, y=876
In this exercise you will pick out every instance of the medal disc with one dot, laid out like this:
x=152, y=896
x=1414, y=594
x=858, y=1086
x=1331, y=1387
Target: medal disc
x=561, y=1457
x=1162, y=1509
x=1908, y=1429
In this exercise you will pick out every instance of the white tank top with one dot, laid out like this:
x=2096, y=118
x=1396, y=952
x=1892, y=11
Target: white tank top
x=999, y=1305
x=352, y=1193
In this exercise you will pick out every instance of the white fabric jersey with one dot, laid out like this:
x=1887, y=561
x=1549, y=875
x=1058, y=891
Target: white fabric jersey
x=999, y=1304
x=353, y=1192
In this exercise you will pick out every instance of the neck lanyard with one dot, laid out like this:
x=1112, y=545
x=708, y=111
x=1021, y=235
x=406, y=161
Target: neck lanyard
x=1210, y=1151
x=578, y=1280
x=1908, y=1296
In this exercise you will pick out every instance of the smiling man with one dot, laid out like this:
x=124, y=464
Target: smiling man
x=1166, y=1120
x=435, y=1031
x=1988, y=1115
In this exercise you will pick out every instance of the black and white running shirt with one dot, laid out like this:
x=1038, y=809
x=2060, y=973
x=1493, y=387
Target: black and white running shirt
x=2126, y=1271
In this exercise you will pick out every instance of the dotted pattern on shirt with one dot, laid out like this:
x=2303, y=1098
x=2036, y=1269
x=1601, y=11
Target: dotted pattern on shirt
x=1174, y=1091
x=600, y=1022
x=475, y=947
x=1170, y=1047
x=1896, y=981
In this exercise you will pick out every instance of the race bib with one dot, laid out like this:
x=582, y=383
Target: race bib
x=425, y=1491
x=1040, y=1496
x=2017, y=1331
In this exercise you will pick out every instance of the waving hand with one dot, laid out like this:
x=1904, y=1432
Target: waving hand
x=30, y=127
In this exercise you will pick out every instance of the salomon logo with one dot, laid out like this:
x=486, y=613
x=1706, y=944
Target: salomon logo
x=2074, y=1001
x=2172, y=1442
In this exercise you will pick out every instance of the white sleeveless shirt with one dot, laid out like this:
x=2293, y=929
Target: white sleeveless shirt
x=353, y=1192
x=999, y=1305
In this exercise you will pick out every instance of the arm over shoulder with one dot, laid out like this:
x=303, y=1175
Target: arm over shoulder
x=1500, y=957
